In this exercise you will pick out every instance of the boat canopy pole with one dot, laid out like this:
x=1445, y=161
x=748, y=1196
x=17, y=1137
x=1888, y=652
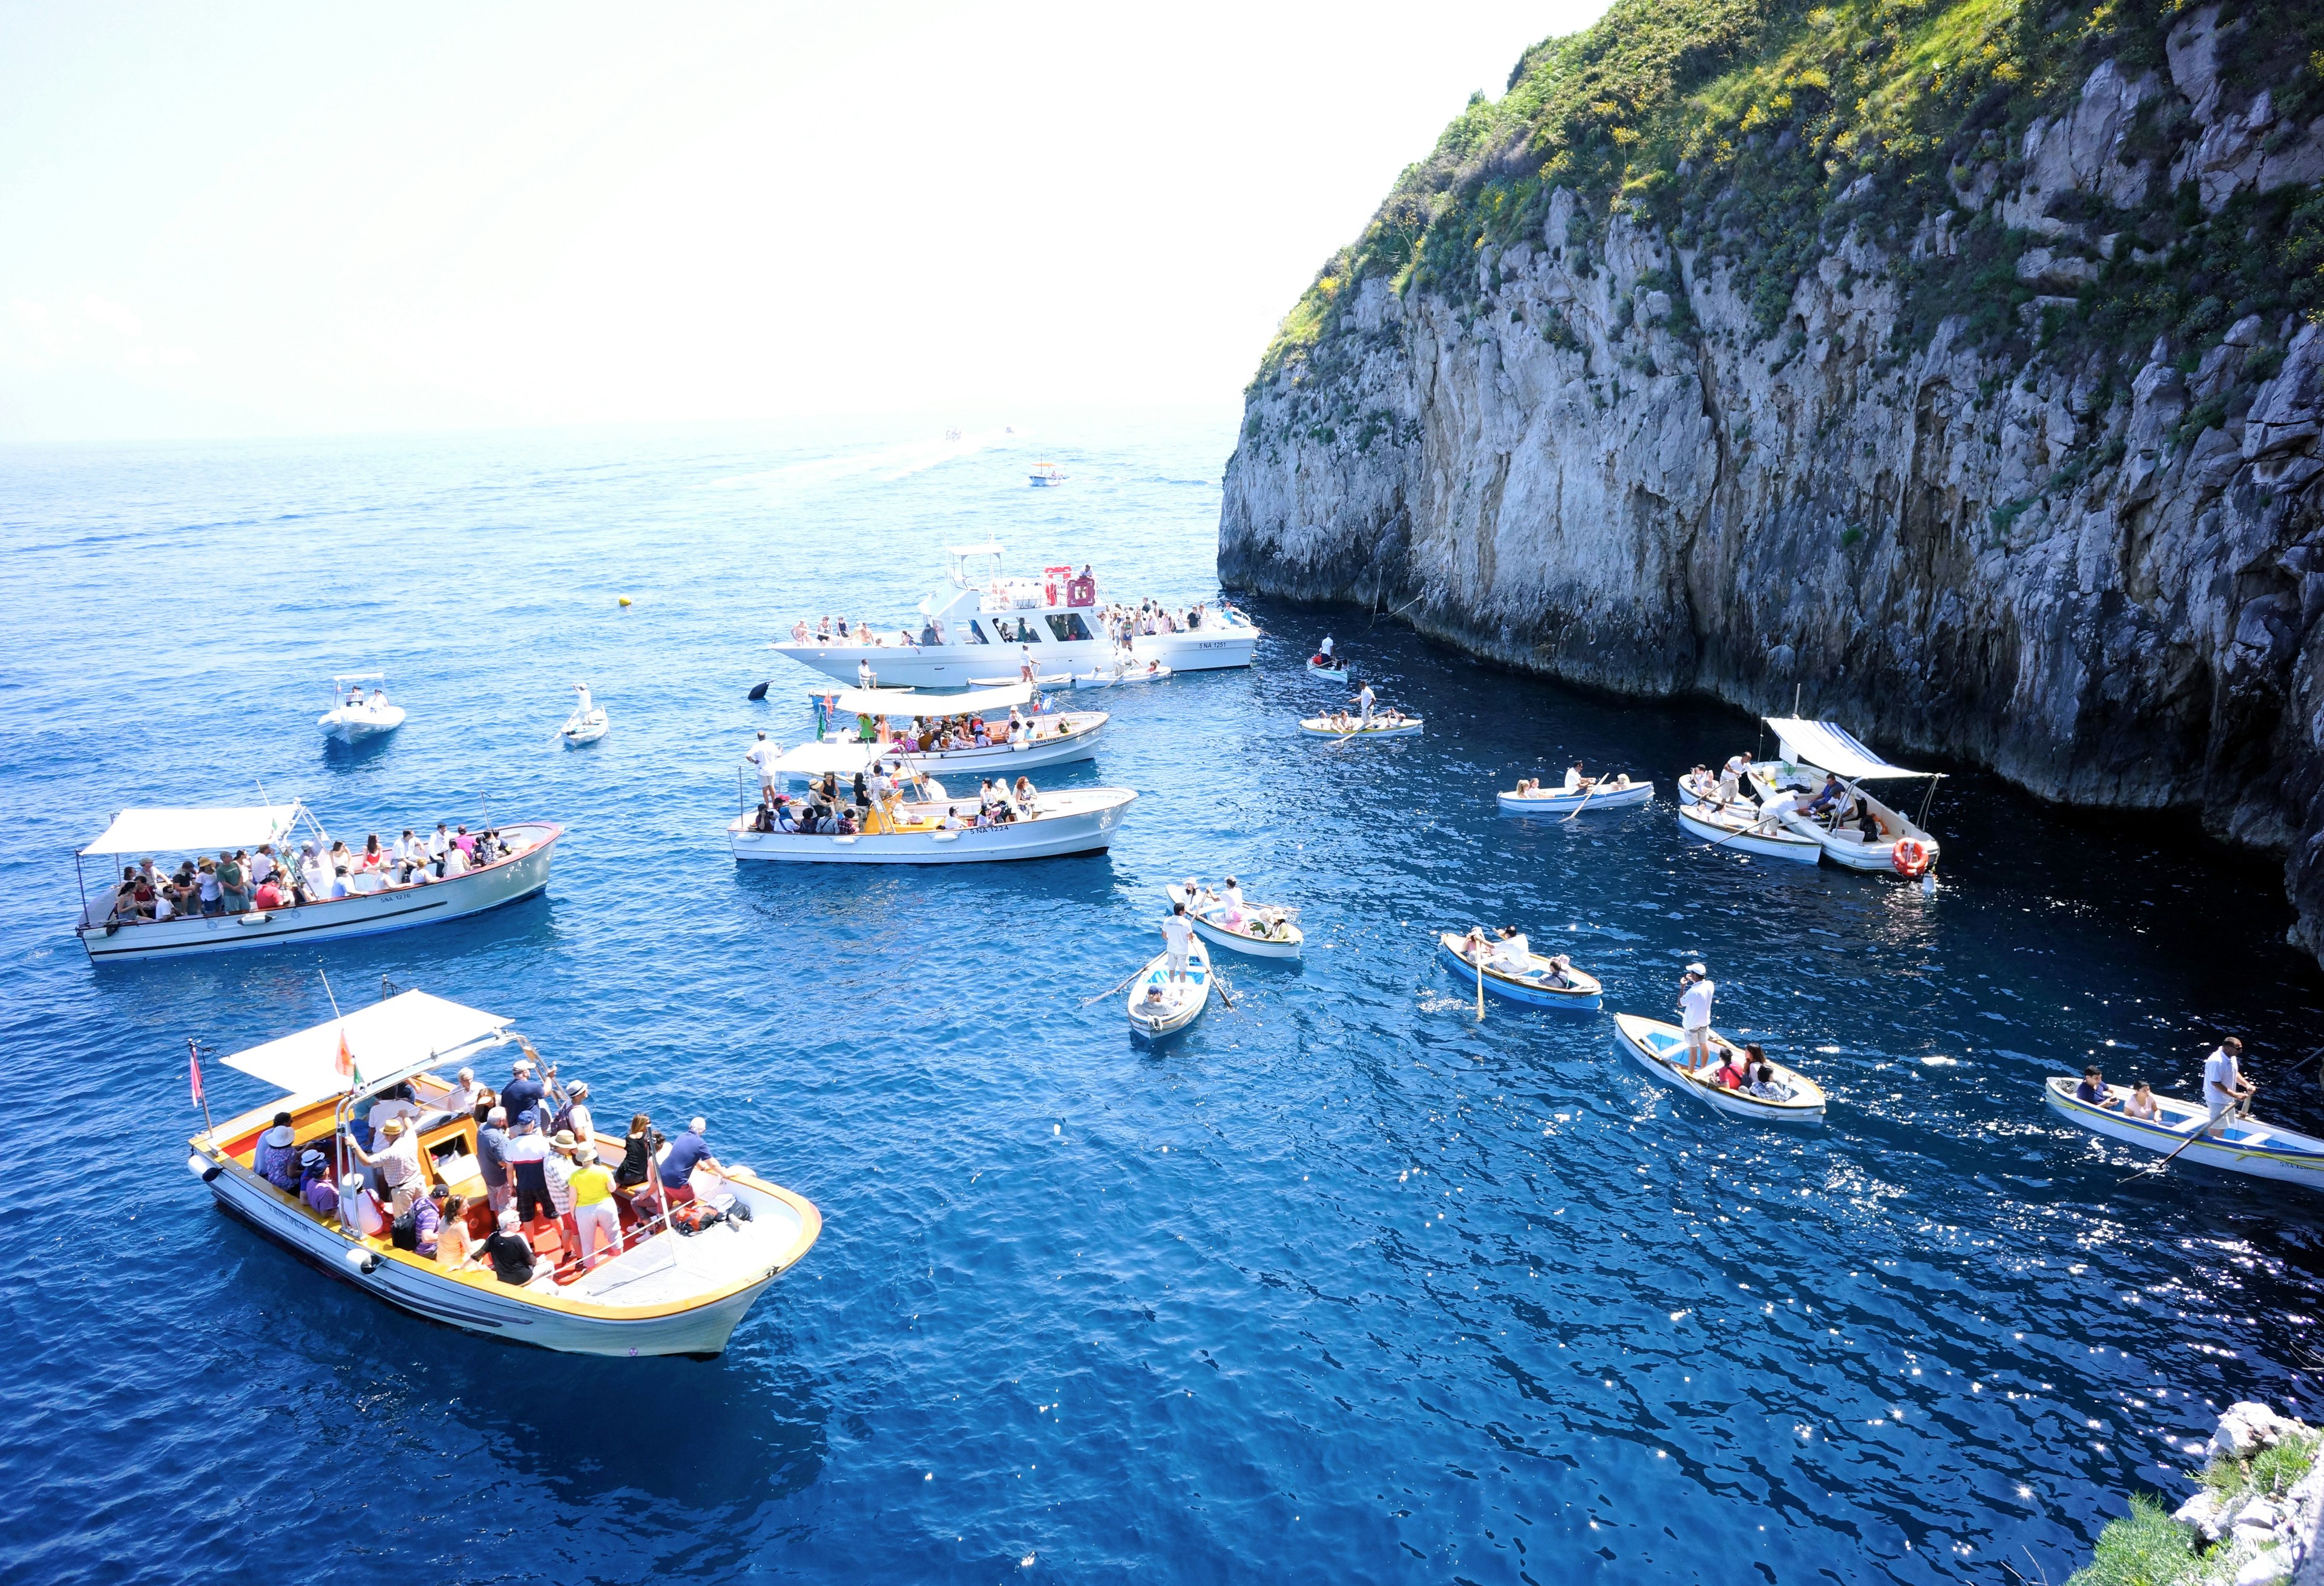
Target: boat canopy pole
x=1929, y=799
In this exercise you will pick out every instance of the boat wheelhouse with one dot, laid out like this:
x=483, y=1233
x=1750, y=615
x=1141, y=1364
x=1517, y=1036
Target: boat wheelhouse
x=984, y=624
x=1812, y=750
x=374, y=903
x=663, y=1292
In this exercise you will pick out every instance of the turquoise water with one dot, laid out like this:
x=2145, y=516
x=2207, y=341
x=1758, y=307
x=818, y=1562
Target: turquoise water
x=1339, y=1284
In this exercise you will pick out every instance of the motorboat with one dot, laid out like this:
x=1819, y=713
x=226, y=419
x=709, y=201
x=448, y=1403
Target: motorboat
x=355, y=716
x=588, y=722
x=1533, y=984
x=1262, y=931
x=688, y=1268
x=1660, y=1049
x=1081, y=820
x=1568, y=798
x=1744, y=828
x=1389, y=724
x=1323, y=666
x=1121, y=672
x=1049, y=738
x=1811, y=752
x=984, y=625
x=1158, y=1005
x=2239, y=1145
x=1043, y=474
x=375, y=903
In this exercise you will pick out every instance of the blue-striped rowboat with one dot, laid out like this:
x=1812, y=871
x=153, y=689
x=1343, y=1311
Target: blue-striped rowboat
x=2241, y=1145
x=1183, y=1001
x=1585, y=995
x=1660, y=1049
x=1556, y=800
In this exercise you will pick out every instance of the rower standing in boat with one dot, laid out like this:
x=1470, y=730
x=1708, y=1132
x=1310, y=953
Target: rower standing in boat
x=2225, y=1088
x=1177, y=941
x=1696, y=988
x=1364, y=698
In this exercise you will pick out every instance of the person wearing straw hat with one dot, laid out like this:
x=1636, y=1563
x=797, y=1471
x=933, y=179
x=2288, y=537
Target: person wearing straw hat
x=398, y=1162
x=1696, y=988
x=276, y=1160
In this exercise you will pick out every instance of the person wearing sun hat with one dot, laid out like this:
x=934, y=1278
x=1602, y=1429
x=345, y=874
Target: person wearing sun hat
x=315, y=1186
x=276, y=1159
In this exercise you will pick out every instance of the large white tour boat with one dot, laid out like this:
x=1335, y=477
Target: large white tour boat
x=906, y=729
x=983, y=624
x=112, y=928
x=1080, y=820
x=664, y=1292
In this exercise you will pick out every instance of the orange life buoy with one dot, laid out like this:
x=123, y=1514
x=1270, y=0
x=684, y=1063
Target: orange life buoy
x=1910, y=856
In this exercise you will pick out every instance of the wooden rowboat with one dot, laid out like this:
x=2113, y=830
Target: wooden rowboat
x=2242, y=1145
x=1381, y=727
x=1584, y=995
x=1660, y=1049
x=1337, y=674
x=1740, y=827
x=1261, y=937
x=1181, y=1002
x=1558, y=801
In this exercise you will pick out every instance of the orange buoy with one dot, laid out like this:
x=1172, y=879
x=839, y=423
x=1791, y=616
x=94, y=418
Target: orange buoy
x=1910, y=856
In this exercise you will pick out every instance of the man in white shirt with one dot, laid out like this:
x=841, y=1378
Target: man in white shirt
x=262, y=864
x=1696, y=988
x=406, y=849
x=439, y=840
x=1177, y=941
x=1325, y=650
x=763, y=755
x=2225, y=1088
x=1364, y=698
x=1513, y=952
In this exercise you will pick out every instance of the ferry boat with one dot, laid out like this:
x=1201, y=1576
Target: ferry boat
x=374, y=906
x=1809, y=752
x=983, y=624
x=1080, y=820
x=1054, y=737
x=666, y=1291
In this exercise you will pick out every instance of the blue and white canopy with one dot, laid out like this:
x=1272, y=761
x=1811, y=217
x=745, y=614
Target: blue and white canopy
x=1829, y=747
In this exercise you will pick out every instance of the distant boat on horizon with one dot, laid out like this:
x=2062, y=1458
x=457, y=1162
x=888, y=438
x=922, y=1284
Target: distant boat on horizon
x=1047, y=473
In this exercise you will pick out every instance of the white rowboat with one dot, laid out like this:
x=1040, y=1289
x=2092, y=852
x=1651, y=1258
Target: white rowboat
x=1393, y=726
x=1281, y=938
x=1338, y=674
x=1660, y=1049
x=1582, y=992
x=587, y=724
x=1739, y=828
x=1559, y=801
x=1180, y=1002
x=2263, y=1150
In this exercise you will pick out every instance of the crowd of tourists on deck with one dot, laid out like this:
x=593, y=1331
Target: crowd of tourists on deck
x=943, y=734
x=872, y=802
x=1121, y=623
x=552, y=1205
x=239, y=881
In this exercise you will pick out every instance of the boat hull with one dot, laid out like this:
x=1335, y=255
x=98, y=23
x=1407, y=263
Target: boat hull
x=1215, y=931
x=2256, y=1151
x=487, y=1308
x=1085, y=824
x=1650, y=1044
x=510, y=881
x=1318, y=727
x=1009, y=758
x=356, y=729
x=1583, y=999
x=1337, y=674
x=1567, y=802
x=1769, y=845
x=956, y=665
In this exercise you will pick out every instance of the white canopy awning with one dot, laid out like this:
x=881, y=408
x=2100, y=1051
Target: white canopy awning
x=813, y=759
x=1829, y=747
x=991, y=547
x=190, y=831
x=388, y=1041
x=917, y=702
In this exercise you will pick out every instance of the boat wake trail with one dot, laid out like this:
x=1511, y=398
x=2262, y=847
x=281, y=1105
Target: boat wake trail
x=884, y=464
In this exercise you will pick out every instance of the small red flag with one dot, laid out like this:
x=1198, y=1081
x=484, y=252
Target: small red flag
x=196, y=1058
x=346, y=1064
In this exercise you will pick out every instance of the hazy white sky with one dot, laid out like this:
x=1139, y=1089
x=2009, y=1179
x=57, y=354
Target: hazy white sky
x=235, y=220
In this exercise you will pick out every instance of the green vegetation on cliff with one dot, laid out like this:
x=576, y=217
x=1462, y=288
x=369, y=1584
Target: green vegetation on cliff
x=1758, y=131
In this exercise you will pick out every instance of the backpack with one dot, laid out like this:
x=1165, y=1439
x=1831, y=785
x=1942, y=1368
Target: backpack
x=405, y=1234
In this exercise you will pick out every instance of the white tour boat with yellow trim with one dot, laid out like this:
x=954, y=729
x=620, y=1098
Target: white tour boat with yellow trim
x=110, y=933
x=665, y=1293
x=2239, y=1145
x=1045, y=737
x=1160, y=1006
x=1812, y=750
x=1258, y=929
x=355, y=716
x=1660, y=1049
x=1079, y=820
x=985, y=625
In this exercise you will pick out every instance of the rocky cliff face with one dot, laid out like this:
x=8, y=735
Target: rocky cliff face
x=2099, y=570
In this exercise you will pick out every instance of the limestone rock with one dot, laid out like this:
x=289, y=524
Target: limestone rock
x=2204, y=1514
x=2249, y=1427
x=2267, y=1568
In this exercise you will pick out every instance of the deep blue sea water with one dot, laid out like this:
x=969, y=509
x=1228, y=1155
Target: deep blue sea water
x=1342, y=1284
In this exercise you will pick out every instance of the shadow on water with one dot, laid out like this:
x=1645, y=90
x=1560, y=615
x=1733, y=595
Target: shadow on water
x=345, y=758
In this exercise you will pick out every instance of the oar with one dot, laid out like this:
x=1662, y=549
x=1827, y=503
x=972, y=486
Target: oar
x=1586, y=797
x=1117, y=986
x=1220, y=987
x=1480, y=984
x=2199, y=1130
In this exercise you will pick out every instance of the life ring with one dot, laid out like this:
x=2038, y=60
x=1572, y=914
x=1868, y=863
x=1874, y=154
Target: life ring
x=1910, y=856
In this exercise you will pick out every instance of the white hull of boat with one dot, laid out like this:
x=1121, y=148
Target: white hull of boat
x=566, y=1322
x=2260, y=1150
x=1211, y=928
x=1845, y=847
x=353, y=726
x=1183, y=1001
x=963, y=666
x=1108, y=679
x=586, y=729
x=1659, y=1048
x=1079, y=821
x=1696, y=820
x=1321, y=727
x=364, y=913
x=1336, y=674
x=1561, y=802
x=1013, y=758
